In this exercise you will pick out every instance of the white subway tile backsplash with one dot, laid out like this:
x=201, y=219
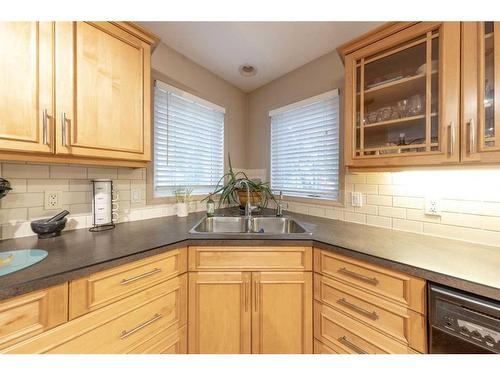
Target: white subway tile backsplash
x=379, y=221
x=408, y=225
x=355, y=217
x=365, y=188
x=67, y=172
x=379, y=200
x=14, y=170
x=18, y=185
x=80, y=185
x=13, y=214
x=111, y=173
x=131, y=173
x=390, y=200
x=13, y=200
x=391, y=212
x=408, y=202
x=41, y=185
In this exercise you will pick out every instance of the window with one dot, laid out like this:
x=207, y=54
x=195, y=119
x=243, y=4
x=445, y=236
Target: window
x=305, y=147
x=188, y=142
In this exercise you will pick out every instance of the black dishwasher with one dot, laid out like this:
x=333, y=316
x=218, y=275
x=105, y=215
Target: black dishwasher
x=462, y=323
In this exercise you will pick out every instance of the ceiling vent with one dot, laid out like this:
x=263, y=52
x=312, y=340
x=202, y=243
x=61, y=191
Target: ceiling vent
x=247, y=70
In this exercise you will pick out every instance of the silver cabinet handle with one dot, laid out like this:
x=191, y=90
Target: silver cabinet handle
x=247, y=292
x=451, y=140
x=472, y=137
x=354, y=275
x=126, y=333
x=135, y=278
x=370, y=315
x=256, y=295
x=63, y=129
x=45, y=116
x=350, y=345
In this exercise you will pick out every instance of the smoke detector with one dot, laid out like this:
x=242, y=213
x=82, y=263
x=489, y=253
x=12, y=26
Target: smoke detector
x=247, y=70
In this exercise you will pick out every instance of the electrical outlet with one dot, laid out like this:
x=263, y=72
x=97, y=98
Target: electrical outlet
x=356, y=199
x=52, y=200
x=433, y=206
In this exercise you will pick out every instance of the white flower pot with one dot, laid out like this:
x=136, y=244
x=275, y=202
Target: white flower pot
x=182, y=209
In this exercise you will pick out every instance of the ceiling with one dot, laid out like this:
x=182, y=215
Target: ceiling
x=274, y=48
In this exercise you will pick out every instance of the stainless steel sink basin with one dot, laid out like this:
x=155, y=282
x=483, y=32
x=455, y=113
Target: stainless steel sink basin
x=238, y=224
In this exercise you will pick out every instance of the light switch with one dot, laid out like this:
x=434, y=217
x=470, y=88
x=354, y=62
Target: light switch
x=135, y=196
x=356, y=199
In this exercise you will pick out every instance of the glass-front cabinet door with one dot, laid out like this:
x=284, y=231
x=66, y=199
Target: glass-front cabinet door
x=481, y=90
x=402, y=98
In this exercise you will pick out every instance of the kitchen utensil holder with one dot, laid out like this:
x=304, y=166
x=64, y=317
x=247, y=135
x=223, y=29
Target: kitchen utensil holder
x=104, y=205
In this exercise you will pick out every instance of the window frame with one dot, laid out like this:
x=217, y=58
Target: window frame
x=340, y=201
x=150, y=178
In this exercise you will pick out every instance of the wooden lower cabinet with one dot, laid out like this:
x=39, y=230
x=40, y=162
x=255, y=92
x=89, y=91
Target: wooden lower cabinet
x=398, y=322
x=282, y=313
x=250, y=312
x=219, y=313
x=125, y=326
x=105, y=287
x=33, y=313
x=350, y=335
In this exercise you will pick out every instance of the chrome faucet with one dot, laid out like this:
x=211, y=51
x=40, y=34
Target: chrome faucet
x=248, y=206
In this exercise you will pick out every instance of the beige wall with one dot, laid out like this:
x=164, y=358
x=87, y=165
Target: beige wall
x=316, y=77
x=185, y=74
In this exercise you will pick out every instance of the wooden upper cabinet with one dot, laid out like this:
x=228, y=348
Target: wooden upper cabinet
x=103, y=92
x=481, y=86
x=26, y=86
x=402, y=97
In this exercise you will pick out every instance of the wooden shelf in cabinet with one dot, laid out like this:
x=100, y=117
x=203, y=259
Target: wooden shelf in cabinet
x=398, y=121
x=392, y=90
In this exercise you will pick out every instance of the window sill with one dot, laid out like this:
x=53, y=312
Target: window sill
x=339, y=202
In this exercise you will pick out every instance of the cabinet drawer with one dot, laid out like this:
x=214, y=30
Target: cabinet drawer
x=340, y=330
x=321, y=348
x=391, y=319
x=250, y=258
x=394, y=286
x=102, y=288
x=30, y=314
x=119, y=327
x=172, y=340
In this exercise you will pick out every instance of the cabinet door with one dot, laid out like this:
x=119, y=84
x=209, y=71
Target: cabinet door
x=219, y=313
x=26, y=86
x=402, y=98
x=282, y=313
x=103, y=92
x=481, y=85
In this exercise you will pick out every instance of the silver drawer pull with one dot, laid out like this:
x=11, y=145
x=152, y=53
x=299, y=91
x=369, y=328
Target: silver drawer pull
x=370, y=315
x=354, y=275
x=135, y=278
x=126, y=333
x=350, y=345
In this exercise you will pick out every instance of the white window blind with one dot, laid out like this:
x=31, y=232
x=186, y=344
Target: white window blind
x=188, y=141
x=305, y=147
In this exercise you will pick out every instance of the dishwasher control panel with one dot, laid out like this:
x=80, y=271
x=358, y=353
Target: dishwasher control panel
x=466, y=318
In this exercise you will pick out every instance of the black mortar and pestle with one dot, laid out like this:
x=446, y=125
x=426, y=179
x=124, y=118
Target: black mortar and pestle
x=47, y=228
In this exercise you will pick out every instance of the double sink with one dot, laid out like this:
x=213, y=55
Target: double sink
x=255, y=225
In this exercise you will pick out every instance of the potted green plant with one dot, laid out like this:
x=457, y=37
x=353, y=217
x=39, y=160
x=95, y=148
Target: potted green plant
x=182, y=198
x=231, y=193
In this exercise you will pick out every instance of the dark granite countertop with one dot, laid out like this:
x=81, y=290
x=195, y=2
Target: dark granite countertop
x=470, y=267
